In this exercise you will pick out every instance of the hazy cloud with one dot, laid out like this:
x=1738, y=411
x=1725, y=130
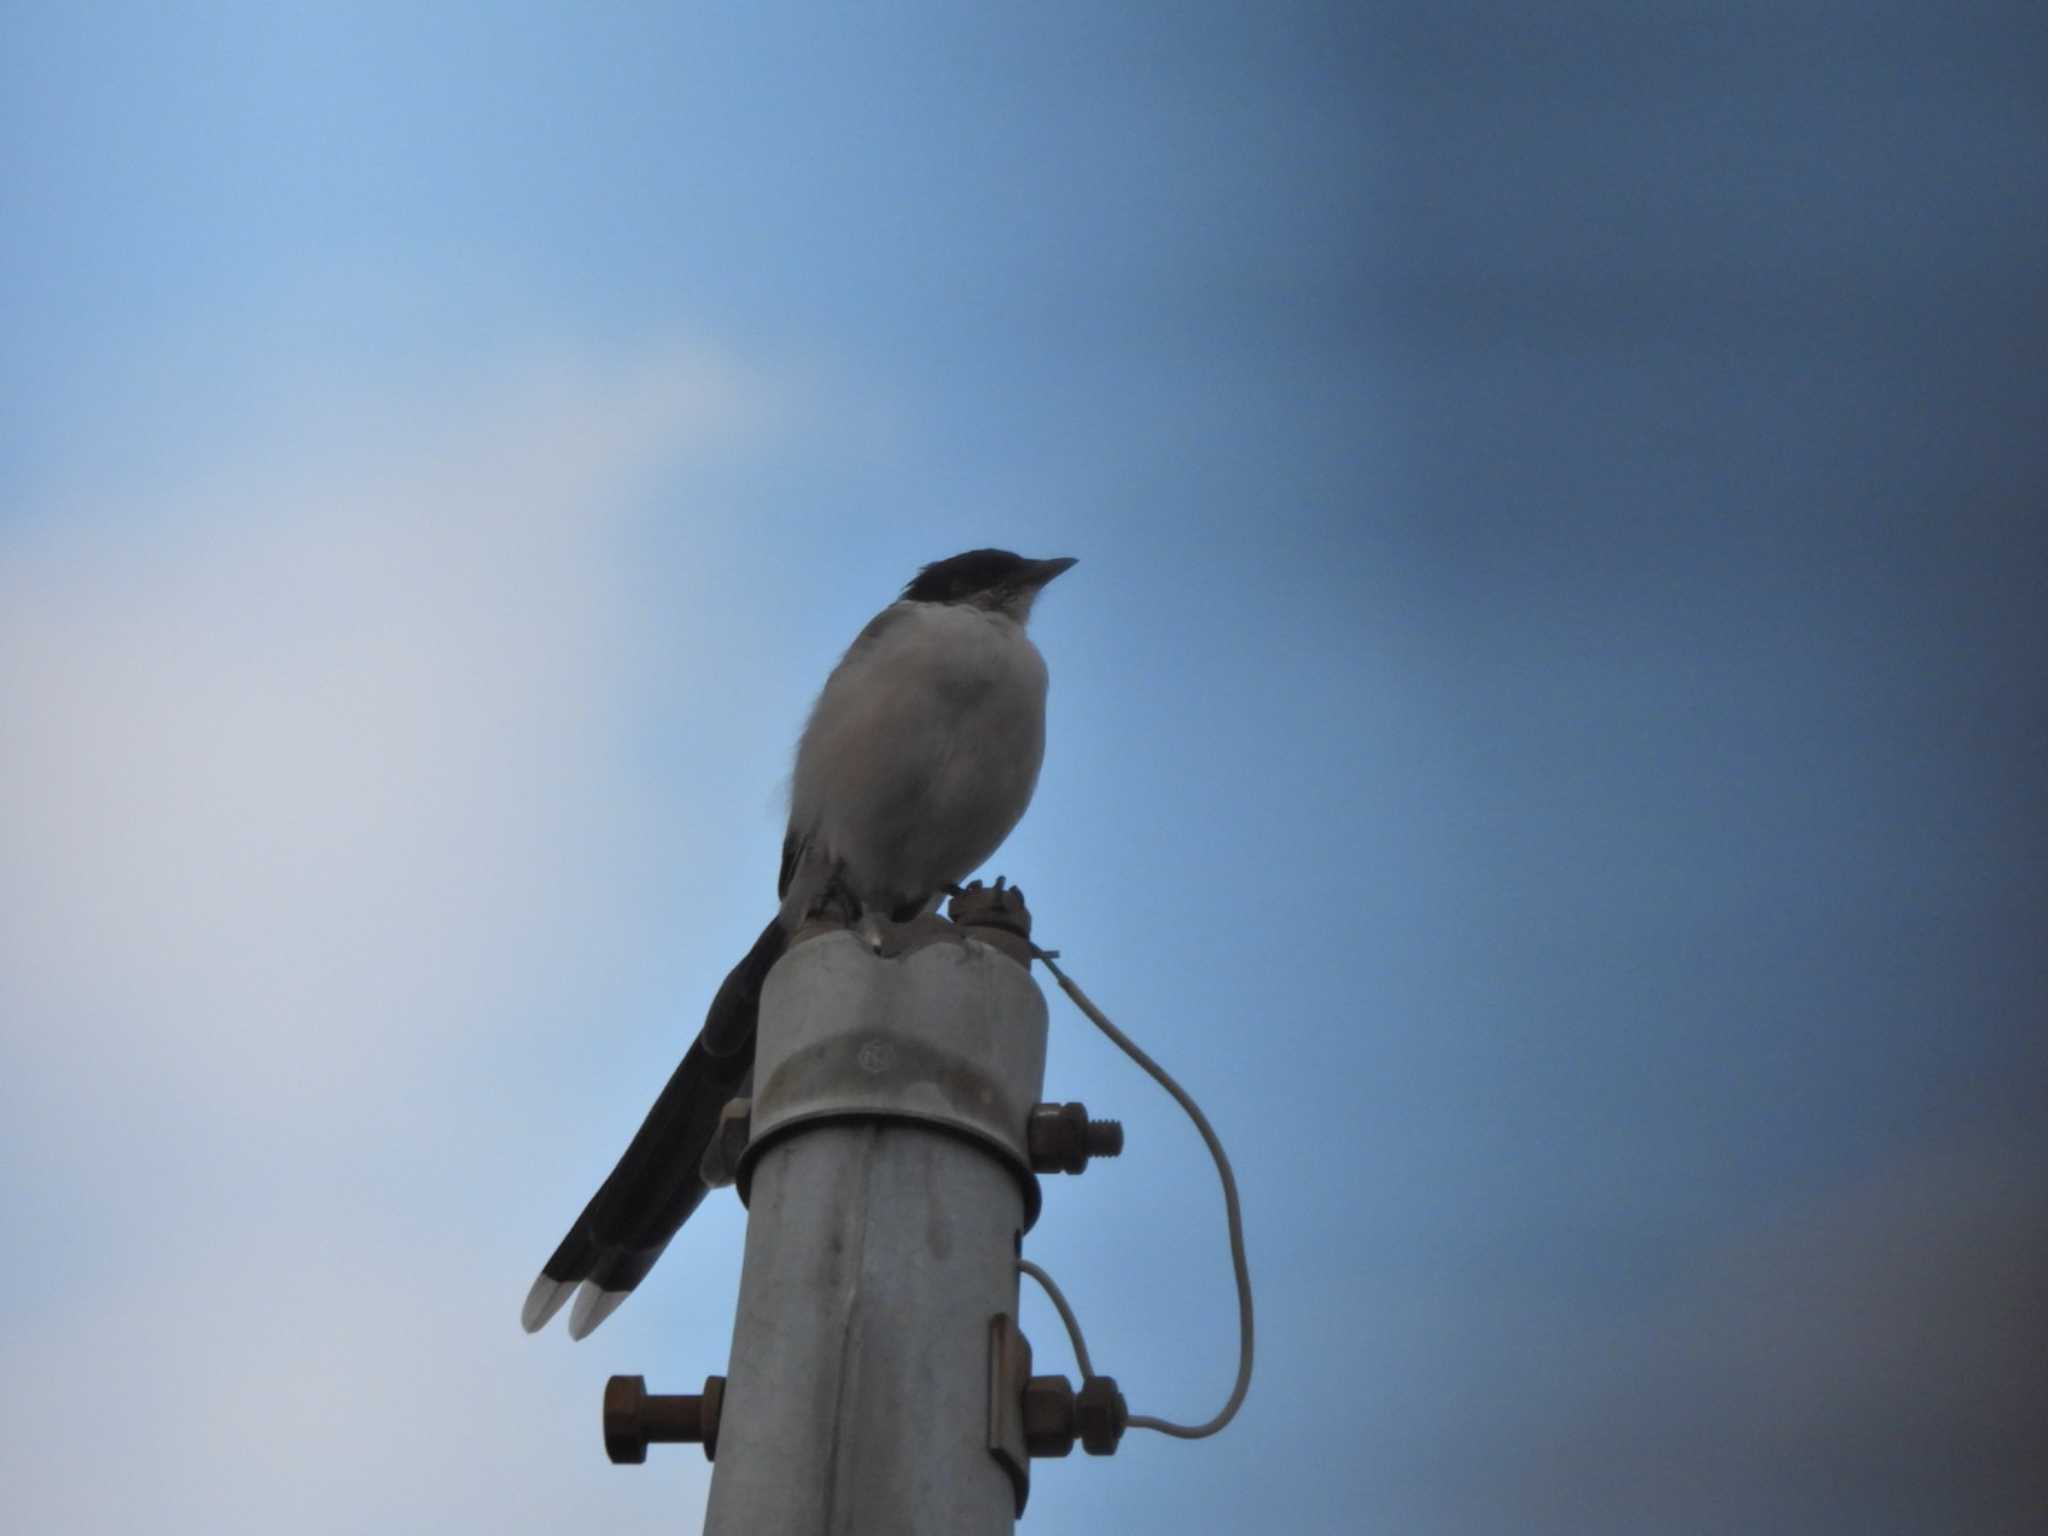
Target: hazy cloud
x=300, y=755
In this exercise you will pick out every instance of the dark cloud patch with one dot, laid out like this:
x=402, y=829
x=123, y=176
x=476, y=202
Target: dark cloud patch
x=1862, y=1361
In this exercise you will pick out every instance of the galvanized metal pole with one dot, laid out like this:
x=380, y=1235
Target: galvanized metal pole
x=888, y=1184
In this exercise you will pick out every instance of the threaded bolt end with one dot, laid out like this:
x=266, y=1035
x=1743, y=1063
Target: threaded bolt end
x=1105, y=1138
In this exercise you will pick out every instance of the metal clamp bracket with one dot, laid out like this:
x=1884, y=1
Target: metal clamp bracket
x=1043, y=1415
x=951, y=1061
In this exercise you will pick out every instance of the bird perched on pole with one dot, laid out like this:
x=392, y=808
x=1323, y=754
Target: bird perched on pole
x=918, y=758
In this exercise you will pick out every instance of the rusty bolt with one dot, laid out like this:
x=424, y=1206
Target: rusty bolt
x=997, y=916
x=1048, y=1416
x=1055, y=1415
x=1100, y=1415
x=635, y=1418
x=995, y=906
x=1061, y=1138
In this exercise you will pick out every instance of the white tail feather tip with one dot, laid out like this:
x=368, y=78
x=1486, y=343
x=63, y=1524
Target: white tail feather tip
x=544, y=1301
x=592, y=1307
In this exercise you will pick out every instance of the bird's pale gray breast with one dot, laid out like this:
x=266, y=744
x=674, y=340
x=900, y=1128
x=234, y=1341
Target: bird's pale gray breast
x=923, y=749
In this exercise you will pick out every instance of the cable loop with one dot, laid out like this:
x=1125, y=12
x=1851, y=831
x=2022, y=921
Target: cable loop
x=1232, y=1211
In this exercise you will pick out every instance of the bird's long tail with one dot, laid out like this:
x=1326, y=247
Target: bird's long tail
x=657, y=1183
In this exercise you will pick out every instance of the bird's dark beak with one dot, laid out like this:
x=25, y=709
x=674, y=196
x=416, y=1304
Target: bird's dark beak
x=1043, y=571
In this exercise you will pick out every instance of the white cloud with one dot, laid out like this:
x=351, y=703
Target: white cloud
x=313, y=778
x=294, y=746
x=315, y=1389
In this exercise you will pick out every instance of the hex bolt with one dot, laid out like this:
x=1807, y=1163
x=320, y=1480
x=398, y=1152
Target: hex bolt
x=1055, y=1416
x=1100, y=1415
x=635, y=1418
x=997, y=915
x=1060, y=1138
x=1048, y=1416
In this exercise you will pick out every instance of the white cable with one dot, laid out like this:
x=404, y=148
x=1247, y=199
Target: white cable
x=1231, y=1210
x=1058, y=1298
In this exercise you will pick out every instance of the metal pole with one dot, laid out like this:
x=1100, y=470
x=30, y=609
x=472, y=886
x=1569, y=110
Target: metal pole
x=888, y=1185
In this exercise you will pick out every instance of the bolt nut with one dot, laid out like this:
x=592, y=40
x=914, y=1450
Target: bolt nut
x=635, y=1418
x=1100, y=1415
x=997, y=916
x=714, y=1410
x=992, y=906
x=1060, y=1138
x=1048, y=1416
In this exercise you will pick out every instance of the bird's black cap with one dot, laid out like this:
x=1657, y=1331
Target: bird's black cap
x=980, y=574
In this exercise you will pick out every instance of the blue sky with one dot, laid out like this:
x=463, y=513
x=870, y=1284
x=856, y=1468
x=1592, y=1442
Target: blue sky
x=1545, y=735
